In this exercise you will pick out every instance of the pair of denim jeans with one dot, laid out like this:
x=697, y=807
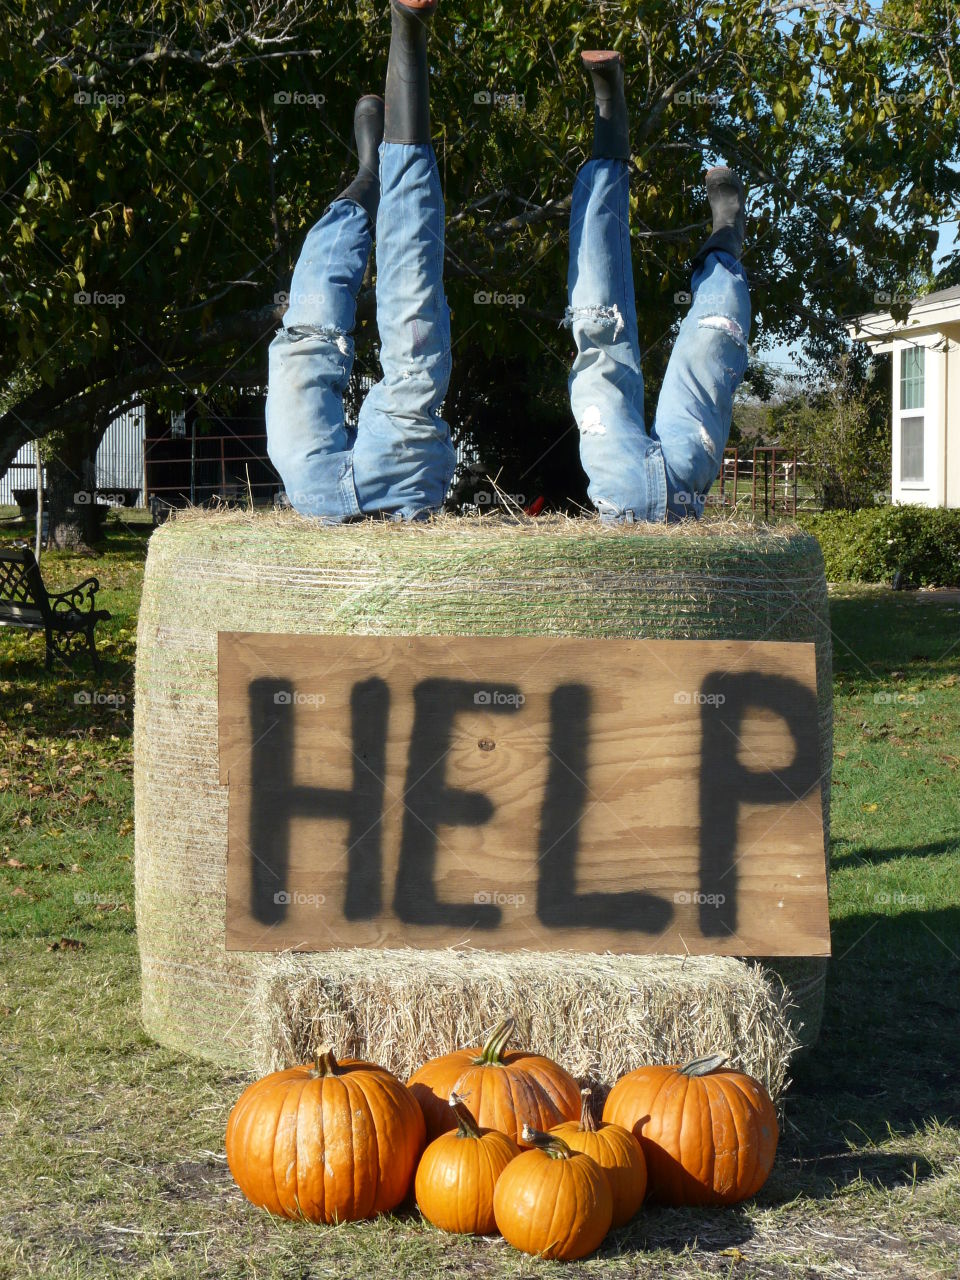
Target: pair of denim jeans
x=399, y=460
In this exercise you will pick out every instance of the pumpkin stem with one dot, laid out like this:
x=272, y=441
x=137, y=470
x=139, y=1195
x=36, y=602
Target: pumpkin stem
x=587, y=1121
x=703, y=1066
x=467, y=1126
x=492, y=1053
x=549, y=1143
x=326, y=1064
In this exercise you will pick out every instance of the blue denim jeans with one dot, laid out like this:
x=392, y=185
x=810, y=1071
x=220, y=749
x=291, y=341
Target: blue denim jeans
x=399, y=459
x=667, y=473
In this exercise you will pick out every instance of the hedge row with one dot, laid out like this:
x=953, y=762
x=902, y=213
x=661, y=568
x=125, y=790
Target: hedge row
x=922, y=544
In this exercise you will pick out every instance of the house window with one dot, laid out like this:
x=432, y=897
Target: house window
x=911, y=377
x=911, y=447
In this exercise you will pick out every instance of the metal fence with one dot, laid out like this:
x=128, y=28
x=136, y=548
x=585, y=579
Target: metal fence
x=21, y=474
x=119, y=462
x=120, y=456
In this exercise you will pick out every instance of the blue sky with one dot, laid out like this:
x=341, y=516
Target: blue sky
x=783, y=357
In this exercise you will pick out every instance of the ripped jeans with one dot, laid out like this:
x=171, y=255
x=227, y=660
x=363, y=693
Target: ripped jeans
x=667, y=473
x=399, y=459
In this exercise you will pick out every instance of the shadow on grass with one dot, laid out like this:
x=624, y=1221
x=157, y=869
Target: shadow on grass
x=659, y=1227
x=883, y=632
x=885, y=1064
x=851, y=853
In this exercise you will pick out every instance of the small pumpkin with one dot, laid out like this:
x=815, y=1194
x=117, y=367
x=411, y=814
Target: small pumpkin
x=616, y=1151
x=709, y=1133
x=553, y=1201
x=458, y=1172
x=504, y=1090
x=329, y=1141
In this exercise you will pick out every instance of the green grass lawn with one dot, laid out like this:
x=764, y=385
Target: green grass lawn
x=111, y=1148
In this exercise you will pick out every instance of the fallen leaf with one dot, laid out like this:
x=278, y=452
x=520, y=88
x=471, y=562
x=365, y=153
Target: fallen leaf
x=15, y=862
x=66, y=944
x=870, y=808
x=18, y=892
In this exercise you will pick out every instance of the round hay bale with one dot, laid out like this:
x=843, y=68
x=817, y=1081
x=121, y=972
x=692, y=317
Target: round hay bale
x=278, y=572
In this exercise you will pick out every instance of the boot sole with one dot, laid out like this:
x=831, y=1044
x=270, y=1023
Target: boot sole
x=600, y=57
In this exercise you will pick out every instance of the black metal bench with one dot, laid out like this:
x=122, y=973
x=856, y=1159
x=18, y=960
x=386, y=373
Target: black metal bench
x=63, y=616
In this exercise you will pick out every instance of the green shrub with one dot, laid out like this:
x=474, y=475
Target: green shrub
x=872, y=545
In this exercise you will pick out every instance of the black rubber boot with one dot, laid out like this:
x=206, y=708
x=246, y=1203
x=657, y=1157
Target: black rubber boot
x=368, y=134
x=727, y=197
x=407, y=92
x=611, y=129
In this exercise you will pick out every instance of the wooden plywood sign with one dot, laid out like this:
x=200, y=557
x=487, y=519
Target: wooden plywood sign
x=524, y=792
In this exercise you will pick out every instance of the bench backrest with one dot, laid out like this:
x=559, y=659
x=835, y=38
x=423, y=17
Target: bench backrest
x=23, y=597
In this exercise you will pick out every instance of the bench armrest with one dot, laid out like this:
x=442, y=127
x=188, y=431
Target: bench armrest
x=79, y=599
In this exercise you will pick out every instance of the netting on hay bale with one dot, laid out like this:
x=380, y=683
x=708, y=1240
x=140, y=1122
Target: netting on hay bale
x=277, y=572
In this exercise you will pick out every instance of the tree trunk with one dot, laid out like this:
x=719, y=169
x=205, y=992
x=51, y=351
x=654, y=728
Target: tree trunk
x=74, y=523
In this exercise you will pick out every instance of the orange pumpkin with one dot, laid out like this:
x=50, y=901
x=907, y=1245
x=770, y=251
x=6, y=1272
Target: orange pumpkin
x=458, y=1172
x=330, y=1142
x=553, y=1201
x=616, y=1151
x=503, y=1090
x=709, y=1133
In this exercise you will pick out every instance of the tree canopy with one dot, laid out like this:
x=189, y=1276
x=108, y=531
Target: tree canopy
x=160, y=163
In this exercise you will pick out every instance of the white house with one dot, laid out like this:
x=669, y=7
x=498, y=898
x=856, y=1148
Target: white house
x=925, y=354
